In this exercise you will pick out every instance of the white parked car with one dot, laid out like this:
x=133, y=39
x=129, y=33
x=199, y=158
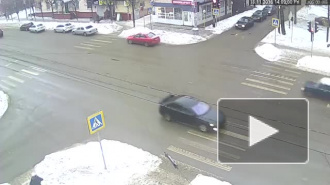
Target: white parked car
x=63, y=28
x=37, y=28
x=88, y=30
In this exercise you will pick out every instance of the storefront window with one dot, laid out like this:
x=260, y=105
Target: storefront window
x=177, y=13
x=161, y=13
x=169, y=13
x=208, y=11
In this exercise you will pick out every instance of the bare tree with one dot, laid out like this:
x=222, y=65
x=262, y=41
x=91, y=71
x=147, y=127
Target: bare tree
x=51, y=3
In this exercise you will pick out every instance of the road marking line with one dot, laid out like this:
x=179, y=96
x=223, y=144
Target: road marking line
x=80, y=47
x=38, y=69
x=264, y=88
x=8, y=83
x=23, y=75
x=29, y=72
x=276, y=76
x=291, y=64
x=266, y=83
x=275, y=71
x=101, y=41
x=265, y=65
x=90, y=45
x=280, y=81
x=208, y=149
x=4, y=87
x=16, y=79
x=199, y=158
x=214, y=139
x=232, y=134
x=8, y=64
x=287, y=70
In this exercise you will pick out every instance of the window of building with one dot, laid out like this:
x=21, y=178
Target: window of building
x=208, y=11
x=169, y=13
x=177, y=13
x=47, y=5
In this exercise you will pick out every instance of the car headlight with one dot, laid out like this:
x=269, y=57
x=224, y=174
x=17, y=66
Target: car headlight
x=243, y=26
x=212, y=125
x=268, y=12
x=236, y=24
x=303, y=89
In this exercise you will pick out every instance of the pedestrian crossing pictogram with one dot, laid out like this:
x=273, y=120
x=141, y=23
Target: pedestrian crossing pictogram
x=96, y=122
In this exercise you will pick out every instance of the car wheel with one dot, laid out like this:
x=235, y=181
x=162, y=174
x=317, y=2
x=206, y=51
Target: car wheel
x=308, y=94
x=167, y=117
x=55, y=31
x=129, y=41
x=85, y=34
x=203, y=128
x=73, y=33
x=146, y=44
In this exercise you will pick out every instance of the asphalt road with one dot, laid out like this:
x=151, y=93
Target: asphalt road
x=49, y=104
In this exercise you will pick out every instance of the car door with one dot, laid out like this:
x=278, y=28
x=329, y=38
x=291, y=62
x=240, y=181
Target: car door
x=82, y=30
x=143, y=39
x=175, y=111
x=188, y=117
x=324, y=90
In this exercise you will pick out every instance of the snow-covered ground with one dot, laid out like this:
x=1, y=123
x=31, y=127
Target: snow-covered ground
x=83, y=164
x=166, y=37
x=228, y=23
x=268, y=52
x=301, y=37
x=3, y=103
x=315, y=64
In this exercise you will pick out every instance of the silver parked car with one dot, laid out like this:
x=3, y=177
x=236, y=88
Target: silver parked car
x=88, y=30
x=63, y=28
x=37, y=28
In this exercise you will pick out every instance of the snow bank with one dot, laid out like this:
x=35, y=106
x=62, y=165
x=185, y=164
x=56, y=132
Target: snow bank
x=315, y=64
x=3, y=103
x=84, y=165
x=301, y=37
x=228, y=23
x=5, y=184
x=205, y=180
x=173, y=38
x=268, y=52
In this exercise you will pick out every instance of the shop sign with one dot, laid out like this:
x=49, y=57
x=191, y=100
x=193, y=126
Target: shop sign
x=178, y=2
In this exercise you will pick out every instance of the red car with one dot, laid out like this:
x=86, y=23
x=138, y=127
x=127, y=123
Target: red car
x=148, y=39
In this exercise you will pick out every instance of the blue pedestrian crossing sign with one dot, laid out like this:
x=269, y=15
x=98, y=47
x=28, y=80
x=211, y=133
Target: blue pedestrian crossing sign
x=96, y=122
x=275, y=22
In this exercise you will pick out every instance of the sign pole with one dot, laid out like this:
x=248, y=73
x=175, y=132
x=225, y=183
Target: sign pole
x=98, y=136
x=275, y=36
x=150, y=22
x=292, y=32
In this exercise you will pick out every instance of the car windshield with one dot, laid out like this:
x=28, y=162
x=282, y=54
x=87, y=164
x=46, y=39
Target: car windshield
x=33, y=26
x=39, y=25
x=89, y=27
x=151, y=35
x=200, y=108
x=243, y=20
x=68, y=24
x=60, y=26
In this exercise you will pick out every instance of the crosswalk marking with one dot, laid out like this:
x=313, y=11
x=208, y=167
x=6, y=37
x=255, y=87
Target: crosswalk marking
x=8, y=83
x=24, y=75
x=101, y=41
x=199, y=158
x=90, y=45
x=265, y=65
x=280, y=81
x=4, y=87
x=29, y=72
x=263, y=88
x=235, y=135
x=208, y=149
x=38, y=69
x=16, y=79
x=287, y=70
x=80, y=47
x=266, y=83
x=286, y=63
x=275, y=71
x=276, y=76
x=214, y=139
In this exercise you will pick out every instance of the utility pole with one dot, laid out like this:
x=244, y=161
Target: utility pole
x=328, y=20
x=133, y=12
x=295, y=14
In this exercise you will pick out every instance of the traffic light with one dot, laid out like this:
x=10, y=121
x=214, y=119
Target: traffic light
x=215, y=4
x=316, y=27
x=309, y=26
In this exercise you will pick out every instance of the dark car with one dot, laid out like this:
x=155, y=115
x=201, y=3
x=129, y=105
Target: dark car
x=1, y=33
x=190, y=111
x=319, y=89
x=259, y=15
x=269, y=9
x=244, y=23
x=26, y=27
x=323, y=21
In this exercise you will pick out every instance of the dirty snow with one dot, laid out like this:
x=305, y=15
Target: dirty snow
x=3, y=103
x=315, y=64
x=228, y=23
x=167, y=37
x=268, y=52
x=205, y=180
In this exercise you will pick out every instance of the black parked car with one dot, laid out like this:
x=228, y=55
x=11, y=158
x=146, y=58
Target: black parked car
x=1, y=33
x=26, y=27
x=270, y=9
x=190, y=111
x=244, y=23
x=259, y=15
x=319, y=89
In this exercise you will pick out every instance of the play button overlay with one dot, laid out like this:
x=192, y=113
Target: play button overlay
x=259, y=131
x=263, y=131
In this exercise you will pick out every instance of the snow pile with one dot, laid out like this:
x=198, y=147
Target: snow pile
x=228, y=23
x=268, y=52
x=205, y=180
x=138, y=22
x=84, y=165
x=301, y=37
x=3, y=103
x=5, y=184
x=315, y=64
x=166, y=37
